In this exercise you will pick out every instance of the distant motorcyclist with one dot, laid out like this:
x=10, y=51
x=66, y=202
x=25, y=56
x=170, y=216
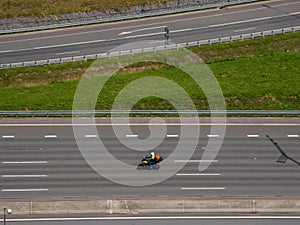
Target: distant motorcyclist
x=150, y=161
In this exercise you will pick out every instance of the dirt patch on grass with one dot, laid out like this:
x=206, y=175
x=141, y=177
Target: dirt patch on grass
x=38, y=76
x=141, y=68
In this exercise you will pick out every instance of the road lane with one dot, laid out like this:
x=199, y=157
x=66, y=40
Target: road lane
x=183, y=27
x=246, y=166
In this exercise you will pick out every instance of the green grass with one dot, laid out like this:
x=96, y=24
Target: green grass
x=250, y=48
x=53, y=96
x=42, y=8
x=262, y=82
x=258, y=74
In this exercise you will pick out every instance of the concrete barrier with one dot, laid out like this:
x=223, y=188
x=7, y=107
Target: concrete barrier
x=131, y=206
x=278, y=206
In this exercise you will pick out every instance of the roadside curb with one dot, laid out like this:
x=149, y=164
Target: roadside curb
x=132, y=207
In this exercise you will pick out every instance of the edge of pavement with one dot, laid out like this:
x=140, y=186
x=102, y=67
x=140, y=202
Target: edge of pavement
x=157, y=205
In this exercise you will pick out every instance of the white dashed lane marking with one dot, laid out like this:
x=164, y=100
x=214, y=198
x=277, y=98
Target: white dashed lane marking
x=252, y=135
x=67, y=53
x=196, y=161
x=8, y=136
x=172, y=135
x=23, y=190
x=26, y=162
x=50, y=136
x=23, y=176
x=293, y=135
x=213, y=135
x=91, y=135
x=198, y=174
x=131, y=135
x=203, y=188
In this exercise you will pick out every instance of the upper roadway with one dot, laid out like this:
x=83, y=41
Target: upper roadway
x=194, y=26
x=40, y=158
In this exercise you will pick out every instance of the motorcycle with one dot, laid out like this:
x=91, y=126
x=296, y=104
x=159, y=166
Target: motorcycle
x=146, y=164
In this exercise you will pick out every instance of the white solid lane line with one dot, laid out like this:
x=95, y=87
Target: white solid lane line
x=293, y=135
x=23, y=190
x=50, y=136
x=22, y=176
x=146, y=124
x=8, y=136
x=252, y=135
x=153, y=218
x=203, y=188
x=198, y=174
x=196, y=161
x=26, y=162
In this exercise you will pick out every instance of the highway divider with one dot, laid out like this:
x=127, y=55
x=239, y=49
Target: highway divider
x=156, y=205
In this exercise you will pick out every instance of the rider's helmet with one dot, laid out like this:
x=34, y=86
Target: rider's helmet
x=152, y=155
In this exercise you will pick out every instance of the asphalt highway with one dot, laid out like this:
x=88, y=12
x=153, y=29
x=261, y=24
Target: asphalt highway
x=40, y=158
x=185, y=27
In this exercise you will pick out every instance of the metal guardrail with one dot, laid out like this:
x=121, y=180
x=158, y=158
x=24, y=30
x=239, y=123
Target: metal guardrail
x=146, y=112
x=152, y=49
x=136, y=16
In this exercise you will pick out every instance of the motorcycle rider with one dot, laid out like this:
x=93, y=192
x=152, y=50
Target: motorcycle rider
x=152, y=158
x=150, y=161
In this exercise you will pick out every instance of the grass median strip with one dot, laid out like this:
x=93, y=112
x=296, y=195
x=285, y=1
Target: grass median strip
x=255, y=74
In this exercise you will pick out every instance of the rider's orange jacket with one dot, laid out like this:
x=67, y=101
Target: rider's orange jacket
x=157, y=157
